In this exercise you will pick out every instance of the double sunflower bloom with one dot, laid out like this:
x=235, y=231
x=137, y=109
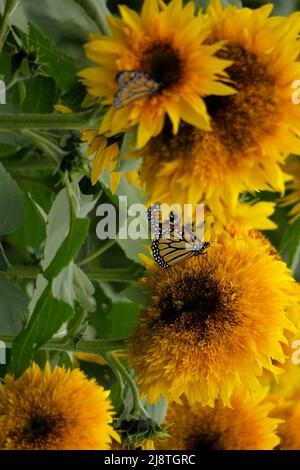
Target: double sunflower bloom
x=220, y=123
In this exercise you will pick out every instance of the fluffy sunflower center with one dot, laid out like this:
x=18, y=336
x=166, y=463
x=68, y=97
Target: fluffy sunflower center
x=197, y=302
x=205, y=441
x=241, y=118
x=163, y=64
x=39, y=427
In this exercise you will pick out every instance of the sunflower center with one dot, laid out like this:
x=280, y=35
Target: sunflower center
x=40, y=426
x=195, y=299
x=163, y=64
x=169, y=147
x=205, y=442
x=241, y=118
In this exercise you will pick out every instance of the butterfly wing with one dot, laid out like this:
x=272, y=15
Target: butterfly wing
x=170, y=251
x=176, y=244
x=133, y=86
x=159, y=228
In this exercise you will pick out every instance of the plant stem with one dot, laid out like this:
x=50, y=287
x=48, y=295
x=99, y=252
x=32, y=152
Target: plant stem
x=16, y=122
x=19, y=166
x=96, y=346
x=109, y=275
x=48, y=147
x=117, y=365
x=9, y=8
x=97, y=253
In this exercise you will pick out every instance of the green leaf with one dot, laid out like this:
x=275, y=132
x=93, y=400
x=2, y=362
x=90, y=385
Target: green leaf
x=136, y=294
x=32, y=232
x=11, y=203
x=84, y=290
x=48, y=315
x=40, y=95
x=66, y=230
x=4, y=263
x=65, y=22
x=69, y=249
x=65, y=361
x=116, y=322
x=60, y=67
x=13, y=304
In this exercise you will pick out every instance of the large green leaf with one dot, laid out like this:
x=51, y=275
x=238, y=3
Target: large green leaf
x=40, y=95
x=70, y=247
x=48, y=315
x=13, y=304
x=59, y=66
x=66, y=231
x=11, y=203
x=64, y=21
x=32, y=232
x=116, y=322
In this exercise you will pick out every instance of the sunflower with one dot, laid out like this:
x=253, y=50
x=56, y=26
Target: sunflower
x=293, y=198
x=252, y=130
x=245, y=217
x=246, y=425
x=54, y=410
x=208, y=328
x=166, y=44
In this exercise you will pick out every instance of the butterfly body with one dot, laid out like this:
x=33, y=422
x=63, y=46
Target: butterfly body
x=134, y=85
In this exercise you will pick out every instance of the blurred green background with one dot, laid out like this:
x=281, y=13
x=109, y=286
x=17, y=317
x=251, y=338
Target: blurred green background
x=282, y=7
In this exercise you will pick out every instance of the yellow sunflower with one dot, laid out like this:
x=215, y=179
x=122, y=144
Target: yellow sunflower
x=54, y=410
x=293, y=198
x=166, y=44
x=252, y=130
x=246, y=425
x=213, y=323
x=286, y=398
x=244, y=218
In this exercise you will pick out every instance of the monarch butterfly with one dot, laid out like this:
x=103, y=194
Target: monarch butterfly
x=173, y=243
x=133, y=86
x=159, y=228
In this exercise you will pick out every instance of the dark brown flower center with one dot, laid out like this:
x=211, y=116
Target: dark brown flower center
x=241, y=118
x=169, y=147
x=163, y=64
x=39, y=427
x=194, y=303
x=205, y=442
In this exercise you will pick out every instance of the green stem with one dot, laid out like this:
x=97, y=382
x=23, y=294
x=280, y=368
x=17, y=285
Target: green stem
x=97, y=253
x=19, y=166
x=75, y=328
x=117, y=365
x=109, y=275
x=16, y=122
x=45, y=145
x=96, y=346
x=9, y=9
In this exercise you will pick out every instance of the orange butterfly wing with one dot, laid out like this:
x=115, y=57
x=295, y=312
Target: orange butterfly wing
x=133, y=86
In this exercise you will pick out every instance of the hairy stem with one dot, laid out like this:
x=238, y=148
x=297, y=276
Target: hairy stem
x=96, y=346
x=97, y=253
x=109, y=275
x=17, y=122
